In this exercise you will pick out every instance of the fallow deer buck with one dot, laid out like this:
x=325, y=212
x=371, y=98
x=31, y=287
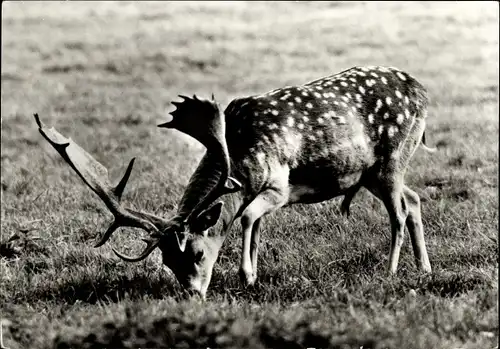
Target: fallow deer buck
x=298, y=144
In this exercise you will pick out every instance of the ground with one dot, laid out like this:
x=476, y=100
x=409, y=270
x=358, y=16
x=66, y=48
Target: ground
x=105, y=73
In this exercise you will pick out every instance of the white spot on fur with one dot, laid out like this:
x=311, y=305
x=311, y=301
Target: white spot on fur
x=407, y=113
x=261, y=157
x=361, y=89
x=378, y=106
x=305, y=118
x=290, y=104
x=341, y=120
x=380, y=130
x=275, y=112
x=261, y=123
x=407, y=100
x=370, y=82
x=384, y=80
x=374, y=74
x=273, y=102
x=398, y=94
x=345, y=99
x=285, y=97
x=370, y=118
x=290, y=121
x=388, y=100
x=317, y=95
x=272, y=126
x=304, y=93
x=300, y=126
x=320, y=120
x=309, y=105
x=401, y=76
x=319, y=133
x=311, y=137
x=386, y=116
x=298, y=100
x=399, y=119
x=319, y=88
x=390, y=131
x=343, y=83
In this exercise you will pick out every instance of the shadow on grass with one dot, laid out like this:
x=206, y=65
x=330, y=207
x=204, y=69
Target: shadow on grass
x=453, y=285
x=90, y=278
x=441, y=284
x=93, y=290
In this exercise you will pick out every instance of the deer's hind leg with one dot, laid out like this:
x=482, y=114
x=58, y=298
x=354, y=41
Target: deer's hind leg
x=389, y=189
x=416, y=230
x=400, y=201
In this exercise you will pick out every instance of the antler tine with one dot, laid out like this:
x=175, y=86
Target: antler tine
x=151, y=245
x=95, y=176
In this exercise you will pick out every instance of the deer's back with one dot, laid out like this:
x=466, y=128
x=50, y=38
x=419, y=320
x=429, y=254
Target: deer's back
x=338, y=125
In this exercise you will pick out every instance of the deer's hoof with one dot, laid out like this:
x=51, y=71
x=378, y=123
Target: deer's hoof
x=247, y=278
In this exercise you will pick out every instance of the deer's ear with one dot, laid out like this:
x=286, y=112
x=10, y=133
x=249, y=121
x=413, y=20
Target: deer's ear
x=207, y=218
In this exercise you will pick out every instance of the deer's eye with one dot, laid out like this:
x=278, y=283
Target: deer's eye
x=198, y=256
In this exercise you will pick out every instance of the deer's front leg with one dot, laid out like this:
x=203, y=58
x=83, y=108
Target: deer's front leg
x=254, y=247
x=265, y=203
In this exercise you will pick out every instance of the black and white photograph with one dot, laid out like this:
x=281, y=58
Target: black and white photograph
x=249, y=174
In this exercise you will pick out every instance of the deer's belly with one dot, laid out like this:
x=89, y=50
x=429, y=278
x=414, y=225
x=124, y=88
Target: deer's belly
x=319, y=185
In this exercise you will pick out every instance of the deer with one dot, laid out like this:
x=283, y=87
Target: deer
x=301, y=144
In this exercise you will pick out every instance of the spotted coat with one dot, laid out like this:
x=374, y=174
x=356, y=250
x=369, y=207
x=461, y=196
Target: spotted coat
x=327, y=132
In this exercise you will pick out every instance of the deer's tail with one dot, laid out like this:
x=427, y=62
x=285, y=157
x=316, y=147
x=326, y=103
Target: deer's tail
x=425, y=147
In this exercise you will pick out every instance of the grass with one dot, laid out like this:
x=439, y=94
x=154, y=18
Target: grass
x=105, y=73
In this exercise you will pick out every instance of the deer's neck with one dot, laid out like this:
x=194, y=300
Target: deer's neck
x=232, y=204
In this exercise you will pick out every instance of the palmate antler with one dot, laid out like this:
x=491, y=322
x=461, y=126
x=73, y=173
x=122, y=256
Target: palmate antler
x=95, y=175
x=202, y=120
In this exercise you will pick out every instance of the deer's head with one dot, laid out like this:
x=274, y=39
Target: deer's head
x=187, y=248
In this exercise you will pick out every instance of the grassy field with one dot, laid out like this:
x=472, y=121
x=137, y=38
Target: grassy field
x=105, y=73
